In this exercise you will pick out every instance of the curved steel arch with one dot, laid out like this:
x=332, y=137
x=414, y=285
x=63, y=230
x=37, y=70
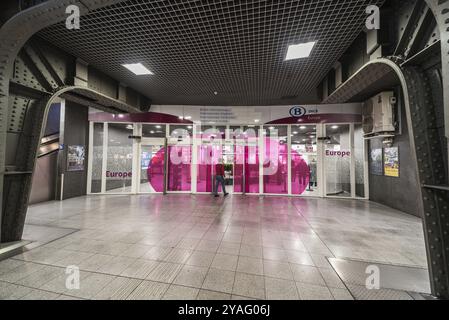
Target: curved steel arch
x=13, y=36
x=427, y=153
x=17, y=191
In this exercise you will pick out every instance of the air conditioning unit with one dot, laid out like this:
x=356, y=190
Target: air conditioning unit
x=378, y=118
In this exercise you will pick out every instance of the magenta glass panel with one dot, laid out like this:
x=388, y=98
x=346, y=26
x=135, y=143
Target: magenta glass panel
x=251, y=169
x=208, y=156
x=275, y=179
x=179, y=172
x=155, y=171
x=239, y=160
x=300, y=173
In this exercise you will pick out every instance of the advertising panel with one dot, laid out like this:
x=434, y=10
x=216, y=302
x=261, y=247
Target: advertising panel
x=75, y=158
x=391, y=162
x=376, y=166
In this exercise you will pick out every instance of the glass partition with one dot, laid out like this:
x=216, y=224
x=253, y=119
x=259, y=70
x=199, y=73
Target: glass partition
x=304, y=160
x=337, y=160
x=275, y=178
x=359, y=158
x=241, y=148
x=119, y=158
x=180, y=159
x=97, y=158
x=251, y=161
x=179, y=172
x=237, y=137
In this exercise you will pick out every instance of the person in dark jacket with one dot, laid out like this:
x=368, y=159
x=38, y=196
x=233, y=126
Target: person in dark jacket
x=220, y=178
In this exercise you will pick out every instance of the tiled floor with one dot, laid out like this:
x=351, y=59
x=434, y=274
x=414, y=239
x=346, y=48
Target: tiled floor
x=199, y=247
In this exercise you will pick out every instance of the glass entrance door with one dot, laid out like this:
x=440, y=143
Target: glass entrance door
x=152, y=165
x=305, y=160
x=338, y=160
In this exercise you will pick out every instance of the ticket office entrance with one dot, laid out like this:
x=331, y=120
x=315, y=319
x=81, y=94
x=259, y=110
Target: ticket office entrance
x=320, y=160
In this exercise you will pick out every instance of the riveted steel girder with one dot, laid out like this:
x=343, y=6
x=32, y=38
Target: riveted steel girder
x=13, y=36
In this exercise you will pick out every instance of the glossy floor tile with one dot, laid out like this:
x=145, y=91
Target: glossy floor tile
x=199, y=247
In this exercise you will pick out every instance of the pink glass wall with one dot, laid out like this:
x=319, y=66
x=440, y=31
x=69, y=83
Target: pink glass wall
x=208, y=156
x=239, y=159
x=251, y=169
x=179, y=175
x=155, y=171
x=300, y=174
x=275, y=181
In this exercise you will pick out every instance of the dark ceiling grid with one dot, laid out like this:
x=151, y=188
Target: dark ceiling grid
x=236, y=48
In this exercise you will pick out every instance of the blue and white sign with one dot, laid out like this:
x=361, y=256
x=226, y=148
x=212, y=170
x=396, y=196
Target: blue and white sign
x=298, y=112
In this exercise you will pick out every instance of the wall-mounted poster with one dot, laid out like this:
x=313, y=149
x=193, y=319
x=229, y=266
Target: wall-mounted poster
x=391, y=162
x=75, y=158
x=377, y=167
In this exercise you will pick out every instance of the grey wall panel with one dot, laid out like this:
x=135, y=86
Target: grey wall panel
x=44, y=179
x=399, y=193
x=76, y=132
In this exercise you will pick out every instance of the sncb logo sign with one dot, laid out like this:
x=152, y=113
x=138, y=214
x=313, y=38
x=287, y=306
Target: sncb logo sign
x=298, y=112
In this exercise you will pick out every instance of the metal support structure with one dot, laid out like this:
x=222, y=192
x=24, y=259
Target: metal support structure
x=440, y=9
x=428, y=152
x=420, y=37
x=24, y=103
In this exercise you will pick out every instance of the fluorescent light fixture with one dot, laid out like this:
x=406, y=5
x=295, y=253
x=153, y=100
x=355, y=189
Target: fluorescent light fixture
x=298, y=51
x=335, y=127
x=158, y=127
x=138, y=69
x=303, y=127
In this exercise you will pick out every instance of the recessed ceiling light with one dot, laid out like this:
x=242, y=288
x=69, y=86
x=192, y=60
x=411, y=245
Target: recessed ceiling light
x=298, y=51
x=138, y=69
x=295, y=132
x=335, y=127
x=158, y=127
x=303, y=127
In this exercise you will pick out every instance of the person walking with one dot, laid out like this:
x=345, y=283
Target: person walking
x=220, y=178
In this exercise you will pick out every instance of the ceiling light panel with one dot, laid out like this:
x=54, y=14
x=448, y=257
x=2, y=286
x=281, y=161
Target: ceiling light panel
x=138, y=69
x=298, y=51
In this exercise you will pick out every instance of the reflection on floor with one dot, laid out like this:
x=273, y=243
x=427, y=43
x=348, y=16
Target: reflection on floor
x=199, y=247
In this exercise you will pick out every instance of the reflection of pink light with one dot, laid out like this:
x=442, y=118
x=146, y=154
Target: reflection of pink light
x=272, y=184
x=155, y=171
